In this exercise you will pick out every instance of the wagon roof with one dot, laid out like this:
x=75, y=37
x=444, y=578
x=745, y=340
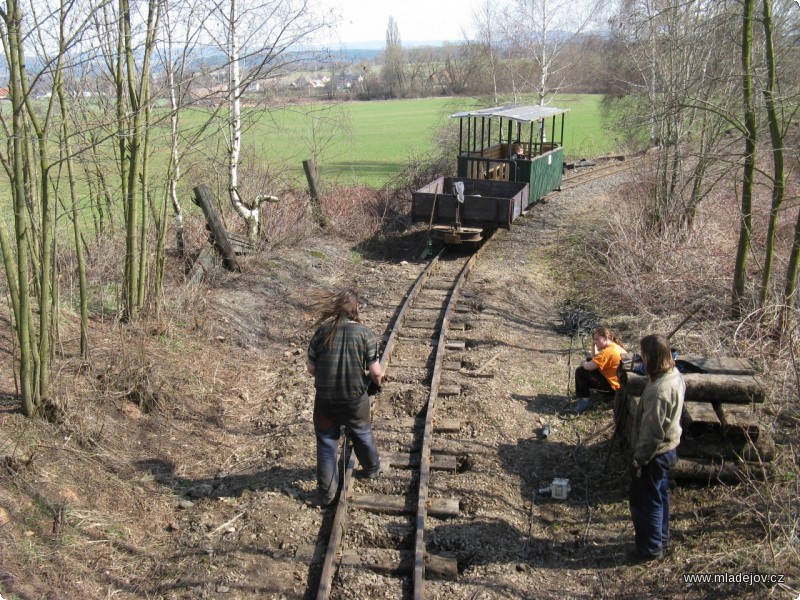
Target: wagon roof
x=515, y=112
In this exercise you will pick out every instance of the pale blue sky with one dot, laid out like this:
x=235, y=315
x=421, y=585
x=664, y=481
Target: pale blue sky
x=417, y=20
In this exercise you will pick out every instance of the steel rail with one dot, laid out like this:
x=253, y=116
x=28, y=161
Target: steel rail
x=424, y=474
x=599, y=172
x=409, y=301
x=333, y=552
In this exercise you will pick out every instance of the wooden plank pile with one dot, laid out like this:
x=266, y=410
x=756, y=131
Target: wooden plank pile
x=721, y=439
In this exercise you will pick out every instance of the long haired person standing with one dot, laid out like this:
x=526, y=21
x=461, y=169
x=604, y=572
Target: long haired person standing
x=656, y=435
x=343, y=358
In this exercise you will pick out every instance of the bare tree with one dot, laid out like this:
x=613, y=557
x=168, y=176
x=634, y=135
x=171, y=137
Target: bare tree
x=33, y=166
x=134, y=125
x=685, y=88
x=463, y=65
x=181, y=30
x=672, y=66
x=541, y=33
x=18, y=271
x=490, y=26
x=422, y=65
x=777, y=121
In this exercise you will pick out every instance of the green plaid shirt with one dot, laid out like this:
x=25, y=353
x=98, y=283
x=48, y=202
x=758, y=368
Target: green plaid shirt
x=340, y=374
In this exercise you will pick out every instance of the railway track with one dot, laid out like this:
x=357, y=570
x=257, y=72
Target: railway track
x=600, y=172
x=379, y=525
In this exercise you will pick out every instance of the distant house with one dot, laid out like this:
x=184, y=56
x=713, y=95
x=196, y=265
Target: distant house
x=440, y=79
x=4, y=94
x=348, y=81
x=212, y=95
x=261, y=86
x=309, y=84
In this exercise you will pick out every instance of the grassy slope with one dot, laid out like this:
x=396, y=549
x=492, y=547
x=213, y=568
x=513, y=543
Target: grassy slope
x=584, y=134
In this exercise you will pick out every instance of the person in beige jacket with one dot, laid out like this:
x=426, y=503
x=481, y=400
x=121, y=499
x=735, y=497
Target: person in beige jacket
x=656, y=435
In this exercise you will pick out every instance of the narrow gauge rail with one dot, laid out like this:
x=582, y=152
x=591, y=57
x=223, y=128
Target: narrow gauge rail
x=596, y=173
x=414, y=355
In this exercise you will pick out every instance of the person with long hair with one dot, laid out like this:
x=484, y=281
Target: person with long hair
x=600, y=369
x=343, y=358
x=655, y=438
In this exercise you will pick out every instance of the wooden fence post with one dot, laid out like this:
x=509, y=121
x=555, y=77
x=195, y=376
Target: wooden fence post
x=310, y=168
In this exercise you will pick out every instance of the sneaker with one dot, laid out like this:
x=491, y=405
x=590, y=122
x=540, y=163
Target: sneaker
x=582, y=405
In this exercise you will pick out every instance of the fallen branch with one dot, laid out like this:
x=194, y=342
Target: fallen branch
x=487, y=363
x=226, y=524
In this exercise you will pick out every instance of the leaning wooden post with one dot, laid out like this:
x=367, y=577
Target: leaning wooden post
x=310, y=168
x=203, y=199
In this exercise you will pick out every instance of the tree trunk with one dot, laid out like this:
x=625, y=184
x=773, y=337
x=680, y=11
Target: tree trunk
x=13, y=19
x=710, y=387
x=250, y=215
x=128, y=163
x=160, y=256
x=203, y=199
x=778, y=177
x=46, y=275
x=790, y=285
x=83, y=286
x=144, y=251
x=138, y=95
x=745, y=224
x=175, y=157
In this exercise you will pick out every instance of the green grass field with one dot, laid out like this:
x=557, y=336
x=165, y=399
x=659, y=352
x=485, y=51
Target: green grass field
x=384, y=135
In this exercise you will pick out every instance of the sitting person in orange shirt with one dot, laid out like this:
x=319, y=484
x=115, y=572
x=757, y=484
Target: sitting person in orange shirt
x=599, y=372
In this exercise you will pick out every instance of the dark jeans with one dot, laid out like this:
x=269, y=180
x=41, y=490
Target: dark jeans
x=328, y=417
x=586, y=380
x=649, y=501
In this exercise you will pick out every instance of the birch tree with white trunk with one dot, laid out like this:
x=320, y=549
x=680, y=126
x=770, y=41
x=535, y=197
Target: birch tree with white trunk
x=541, y=34
x=262, y=40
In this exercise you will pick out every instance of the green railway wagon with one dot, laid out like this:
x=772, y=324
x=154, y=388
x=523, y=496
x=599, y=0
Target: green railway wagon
x=513, y=143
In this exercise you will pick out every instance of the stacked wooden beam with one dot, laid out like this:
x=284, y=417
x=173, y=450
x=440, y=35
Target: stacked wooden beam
x=722, y=439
